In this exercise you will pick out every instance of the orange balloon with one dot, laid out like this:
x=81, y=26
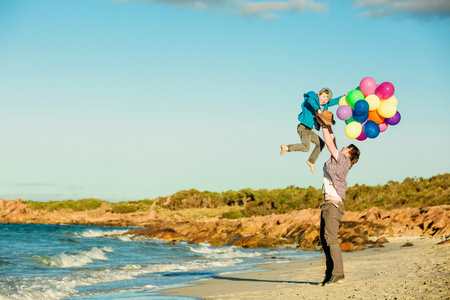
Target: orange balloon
x=375, y=116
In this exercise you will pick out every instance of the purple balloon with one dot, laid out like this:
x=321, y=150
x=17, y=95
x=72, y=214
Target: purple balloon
x=394, y=120
x=344, y=112
x=385, y=90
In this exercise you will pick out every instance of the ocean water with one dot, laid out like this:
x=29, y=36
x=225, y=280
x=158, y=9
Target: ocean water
x=78, y=262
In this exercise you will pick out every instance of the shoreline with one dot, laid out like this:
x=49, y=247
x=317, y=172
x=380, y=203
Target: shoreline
x=420, y=271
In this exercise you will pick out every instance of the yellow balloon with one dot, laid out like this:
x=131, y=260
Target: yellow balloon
x=343, y=101
x=353, y=130
x=387, y=109
x=393, y=100
x=373, y=101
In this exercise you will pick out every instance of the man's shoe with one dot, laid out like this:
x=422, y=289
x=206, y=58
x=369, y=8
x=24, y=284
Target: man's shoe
x=334, y=279
x=326, y=279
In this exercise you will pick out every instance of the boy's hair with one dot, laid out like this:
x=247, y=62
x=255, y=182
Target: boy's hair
x=354, y=154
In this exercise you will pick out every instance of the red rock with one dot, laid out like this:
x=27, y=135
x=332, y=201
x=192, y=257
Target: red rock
x=347, y=247
x=198, y=240
x=170, y=236
x=253, y=241
x=444, y=242
x=382, y=240
x=358, y=240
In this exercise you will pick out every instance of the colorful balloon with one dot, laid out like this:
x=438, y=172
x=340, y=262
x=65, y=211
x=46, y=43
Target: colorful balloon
x=393, y=100
x=361, y=107
x=383, y=126
x=348, y=121
x=354, y=96
x=375, y=116
x=361, y=137
x=367, y=86
x=387, y=109
x=344, y=112
x=360, y=118
x=371, y=129
x=385, y=90
x=343, y=101
x=373, y=101
x=353, y=130
x=394, y=120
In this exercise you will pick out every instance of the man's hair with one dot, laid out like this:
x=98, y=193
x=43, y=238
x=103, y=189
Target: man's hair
x=354, y=154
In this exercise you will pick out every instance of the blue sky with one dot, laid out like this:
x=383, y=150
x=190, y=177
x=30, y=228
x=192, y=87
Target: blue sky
x=127, y=100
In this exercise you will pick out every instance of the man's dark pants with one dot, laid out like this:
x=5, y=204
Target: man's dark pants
x=330, y=218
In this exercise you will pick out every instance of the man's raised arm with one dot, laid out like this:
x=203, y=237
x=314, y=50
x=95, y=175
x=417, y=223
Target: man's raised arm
x=330, y=140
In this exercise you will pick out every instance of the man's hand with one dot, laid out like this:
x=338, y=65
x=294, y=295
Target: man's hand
x=319, y=119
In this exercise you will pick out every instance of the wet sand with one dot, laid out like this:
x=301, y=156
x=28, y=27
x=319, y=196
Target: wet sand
x=420, y=271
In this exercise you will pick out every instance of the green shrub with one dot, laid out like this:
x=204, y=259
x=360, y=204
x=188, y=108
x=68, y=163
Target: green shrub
x=79, y=205
x=412, y=192
x=124, y=209
x=233, y=214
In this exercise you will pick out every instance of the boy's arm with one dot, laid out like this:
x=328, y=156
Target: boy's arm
x=335, y=101
x=330, y=140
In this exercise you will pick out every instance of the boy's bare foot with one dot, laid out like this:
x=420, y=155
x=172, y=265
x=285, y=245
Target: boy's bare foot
x=284, y=148
x=311, y=165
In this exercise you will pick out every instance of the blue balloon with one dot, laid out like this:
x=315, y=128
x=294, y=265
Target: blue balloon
x=371, y=129
x=360, y=118
x=361, y=107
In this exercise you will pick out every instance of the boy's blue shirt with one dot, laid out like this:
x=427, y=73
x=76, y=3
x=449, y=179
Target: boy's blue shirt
x=310, y=106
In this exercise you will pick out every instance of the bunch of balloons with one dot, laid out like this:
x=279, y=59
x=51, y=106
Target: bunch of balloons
x=369, y=109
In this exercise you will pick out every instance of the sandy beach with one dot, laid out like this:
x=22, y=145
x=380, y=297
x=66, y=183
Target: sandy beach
x=396, y=271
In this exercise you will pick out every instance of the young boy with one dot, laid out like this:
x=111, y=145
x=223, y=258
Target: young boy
x=313, y=103
x=334, y=188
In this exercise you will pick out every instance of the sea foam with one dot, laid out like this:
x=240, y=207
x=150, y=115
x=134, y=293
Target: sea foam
x=65, y=285
x=94, y=233
x=74, y=258
x=222, y=252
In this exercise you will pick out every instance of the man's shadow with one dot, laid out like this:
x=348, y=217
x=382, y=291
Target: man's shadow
x=264, y=280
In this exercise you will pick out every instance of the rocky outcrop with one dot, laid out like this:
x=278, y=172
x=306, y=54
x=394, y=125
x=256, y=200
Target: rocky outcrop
x=13, y=209
x=357, y=231
x=17, y=211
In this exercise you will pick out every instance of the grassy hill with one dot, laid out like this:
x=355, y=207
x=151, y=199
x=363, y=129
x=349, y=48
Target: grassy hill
x=412, y=192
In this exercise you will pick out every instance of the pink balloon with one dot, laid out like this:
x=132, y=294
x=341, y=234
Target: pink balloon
x=385, y=90
x=383, y=126
x=362, y=136
x=367, y=86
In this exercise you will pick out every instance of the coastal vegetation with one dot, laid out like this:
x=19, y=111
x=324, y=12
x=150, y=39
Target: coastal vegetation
x=411, y=193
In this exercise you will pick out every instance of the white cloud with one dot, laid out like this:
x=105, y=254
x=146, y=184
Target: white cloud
x=261, y=9
x=424, y=8
x=268, y=8
x=192, y=4
x=271, y=9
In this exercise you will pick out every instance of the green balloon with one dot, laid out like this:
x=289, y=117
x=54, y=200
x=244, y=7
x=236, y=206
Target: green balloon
x=348, y=121
x=354, y=96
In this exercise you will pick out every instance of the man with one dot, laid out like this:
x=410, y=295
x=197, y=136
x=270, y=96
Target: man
x=334, y=187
